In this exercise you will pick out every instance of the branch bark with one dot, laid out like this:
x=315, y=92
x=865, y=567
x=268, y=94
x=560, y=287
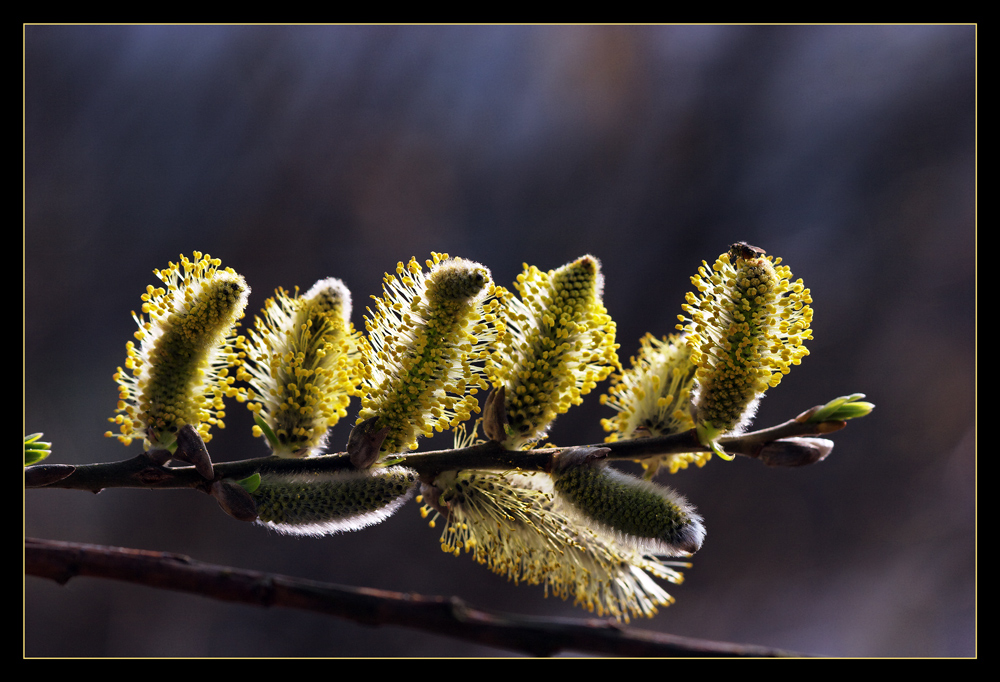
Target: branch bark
x=448, y=616
x=143, y=472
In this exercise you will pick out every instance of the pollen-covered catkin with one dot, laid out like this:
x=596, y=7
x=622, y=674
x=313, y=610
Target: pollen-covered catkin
x=559, y=343
x=320, y=503
x=303, y=366
x=517, y=526
x=746, y=327
x=653, y=398
x=426, y=340
x=179, y=372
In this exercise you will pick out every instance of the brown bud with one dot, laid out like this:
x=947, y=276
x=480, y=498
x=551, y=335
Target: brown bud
x=807, y=415
x=572, y=457
x=365, y=441
x=794, y=452
x=159, y=456
x=191, y=449
x=495, y=415
x=234, y=500
x=830, y=426
x=432, y=497
x=41, y=475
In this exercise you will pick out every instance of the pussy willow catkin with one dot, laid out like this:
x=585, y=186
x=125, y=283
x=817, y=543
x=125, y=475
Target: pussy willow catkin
x=746, y=327
x=179, y=372
x=426, y=339
x=321, y=503
x=558, y=343
x=303, y=366
x=652, y=517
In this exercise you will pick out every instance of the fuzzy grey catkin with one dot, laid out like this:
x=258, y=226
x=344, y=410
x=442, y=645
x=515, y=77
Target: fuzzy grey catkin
x=654, y=518
x=322, y=503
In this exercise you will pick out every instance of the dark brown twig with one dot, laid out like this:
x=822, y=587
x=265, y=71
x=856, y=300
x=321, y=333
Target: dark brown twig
x=448, y=616
x=143, y=472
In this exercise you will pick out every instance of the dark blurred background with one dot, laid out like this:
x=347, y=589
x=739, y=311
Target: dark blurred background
x=295, y=153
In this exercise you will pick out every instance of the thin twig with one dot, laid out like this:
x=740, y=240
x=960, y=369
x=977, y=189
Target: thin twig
x=448, y=616
x=143, y=472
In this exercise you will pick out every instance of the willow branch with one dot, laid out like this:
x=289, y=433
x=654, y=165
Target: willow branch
x=448, y=616
x=143, y=472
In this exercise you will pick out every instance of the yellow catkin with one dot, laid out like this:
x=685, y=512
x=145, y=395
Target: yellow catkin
x=746, y=326
x=518, y=527
x=559, y=343
x=303, y=365
x=653, y=398
x=426, y=339
x=179, y=372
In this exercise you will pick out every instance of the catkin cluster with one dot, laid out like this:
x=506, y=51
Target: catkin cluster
x=435, y=340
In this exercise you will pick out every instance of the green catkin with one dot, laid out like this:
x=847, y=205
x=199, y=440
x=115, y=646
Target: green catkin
x=653, y=517
x=322, y=503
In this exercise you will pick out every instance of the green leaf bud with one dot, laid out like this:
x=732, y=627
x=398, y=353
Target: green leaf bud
x=35, y=450
x=841, y=409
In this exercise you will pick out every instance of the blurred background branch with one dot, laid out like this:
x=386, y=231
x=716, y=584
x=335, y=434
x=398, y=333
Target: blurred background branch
x=448, y=616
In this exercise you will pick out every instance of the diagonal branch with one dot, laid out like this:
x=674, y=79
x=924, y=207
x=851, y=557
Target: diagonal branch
x=143, y=472
x=448, y=616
